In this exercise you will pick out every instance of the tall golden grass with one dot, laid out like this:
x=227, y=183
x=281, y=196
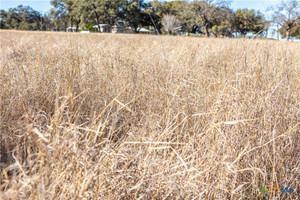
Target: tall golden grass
x=95, y=116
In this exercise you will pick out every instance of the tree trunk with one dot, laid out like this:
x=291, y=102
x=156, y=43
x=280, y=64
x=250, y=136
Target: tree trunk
x=135, y=29
x=288, y=35
x=77, y=26
x=194, y=28
x=98, y=23
x=206, y=31
x=205, y=24
x=66, y=25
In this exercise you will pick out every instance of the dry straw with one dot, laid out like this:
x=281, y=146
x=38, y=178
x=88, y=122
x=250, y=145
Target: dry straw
x=101, y=116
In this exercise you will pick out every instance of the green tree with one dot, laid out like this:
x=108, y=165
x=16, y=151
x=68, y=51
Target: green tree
x=202, y=13
x=3, y=16
x=59, y=14
x=287, y=15
x=138, y=13
x=23, y=18
x=102, y=11
x=223, y=23
x=287, y=32
x=73, y=8
x=66, y=12
x=249, y=21
x=46, y=23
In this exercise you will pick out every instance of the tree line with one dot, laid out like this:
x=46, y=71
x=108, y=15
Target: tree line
x=206, y=17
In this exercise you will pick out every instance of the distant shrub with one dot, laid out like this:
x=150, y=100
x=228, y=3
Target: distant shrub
x=89, y=27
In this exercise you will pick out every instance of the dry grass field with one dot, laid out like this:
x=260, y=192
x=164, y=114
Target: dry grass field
x=102, y=116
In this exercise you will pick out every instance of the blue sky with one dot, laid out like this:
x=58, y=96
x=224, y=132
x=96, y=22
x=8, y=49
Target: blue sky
x=44, y=5
x=39, y=5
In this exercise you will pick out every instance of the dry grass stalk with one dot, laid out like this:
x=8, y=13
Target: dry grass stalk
x=147, y=117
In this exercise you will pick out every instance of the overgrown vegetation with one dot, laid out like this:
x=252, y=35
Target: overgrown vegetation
x=147, y=117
